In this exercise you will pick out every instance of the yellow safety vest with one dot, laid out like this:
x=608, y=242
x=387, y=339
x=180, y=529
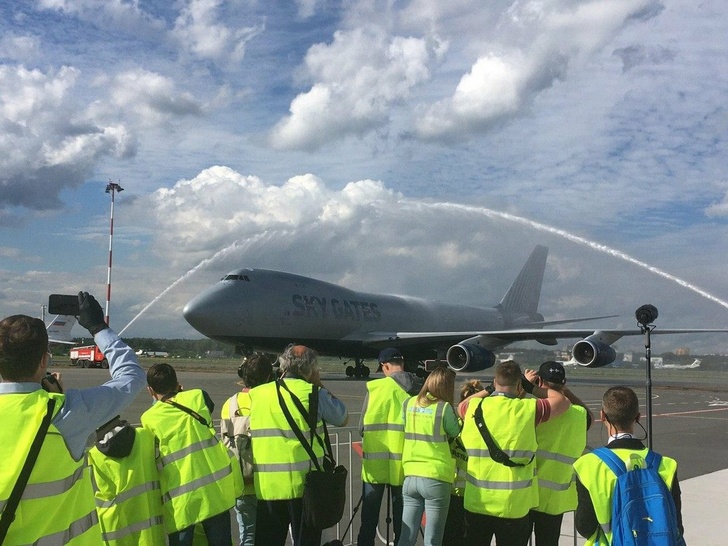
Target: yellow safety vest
x=494, y=489
x=57, y=506
x=128, y=497
x=600, y=481
x=280, y=462
x=199, y=478
x=234, y=423
x=561, y=442
x=383, y=437
x=426, y=452
x=457, y=450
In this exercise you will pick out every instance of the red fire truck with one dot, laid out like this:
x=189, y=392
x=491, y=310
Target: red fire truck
x=89, y=356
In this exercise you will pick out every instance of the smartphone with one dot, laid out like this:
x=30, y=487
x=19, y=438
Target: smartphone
x=61, y=304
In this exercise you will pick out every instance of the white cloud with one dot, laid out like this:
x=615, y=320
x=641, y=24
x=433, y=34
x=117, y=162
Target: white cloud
x=357, y=80
x=22, y=48
x=48, y=142
x=199, y=31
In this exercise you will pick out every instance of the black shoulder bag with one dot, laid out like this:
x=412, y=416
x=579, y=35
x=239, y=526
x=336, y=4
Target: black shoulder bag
x=8, y=515
x=495, y=452
x=324, y=489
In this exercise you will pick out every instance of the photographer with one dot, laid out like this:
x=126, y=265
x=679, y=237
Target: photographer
x=281, y=462
x=59, y=515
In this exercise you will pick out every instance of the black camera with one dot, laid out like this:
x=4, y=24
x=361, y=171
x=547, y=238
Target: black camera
x=50, y=379
x=646, y=314
x=62, y=304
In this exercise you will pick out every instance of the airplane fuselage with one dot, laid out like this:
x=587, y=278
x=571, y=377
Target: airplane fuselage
x=265, y=310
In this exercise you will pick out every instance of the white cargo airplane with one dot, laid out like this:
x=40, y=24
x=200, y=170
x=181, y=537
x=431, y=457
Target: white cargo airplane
x=259, y=309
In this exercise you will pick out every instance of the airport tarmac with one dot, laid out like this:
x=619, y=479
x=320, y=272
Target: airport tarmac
x=690, y=423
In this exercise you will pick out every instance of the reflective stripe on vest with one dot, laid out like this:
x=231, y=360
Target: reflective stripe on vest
x=492, y=488
x=280, y=462
x=600, y=481
x=426, y=451
x=128, y=495
x=561, y=441
x=199, y=478
x=57, y=505
x=383, y=438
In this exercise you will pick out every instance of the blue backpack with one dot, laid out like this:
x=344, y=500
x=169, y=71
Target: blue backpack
x=643, y=510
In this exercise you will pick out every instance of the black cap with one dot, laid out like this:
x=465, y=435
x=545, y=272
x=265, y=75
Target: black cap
x=553, y=372
x=389, y=355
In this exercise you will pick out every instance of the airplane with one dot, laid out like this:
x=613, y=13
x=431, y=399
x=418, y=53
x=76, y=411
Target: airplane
x=265, y=310
x=59, y=329
x=659, y=364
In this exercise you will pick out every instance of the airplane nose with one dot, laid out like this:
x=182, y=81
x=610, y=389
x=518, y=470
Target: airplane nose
x=203, y=312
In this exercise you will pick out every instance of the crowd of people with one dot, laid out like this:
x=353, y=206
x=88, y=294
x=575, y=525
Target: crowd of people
x=507, y=461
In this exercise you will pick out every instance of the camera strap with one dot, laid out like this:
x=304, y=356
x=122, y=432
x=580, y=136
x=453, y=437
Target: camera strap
x=495, y=452
x=188, y=411
x=8, y=515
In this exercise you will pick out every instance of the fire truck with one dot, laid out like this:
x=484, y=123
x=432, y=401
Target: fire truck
x=89, y=356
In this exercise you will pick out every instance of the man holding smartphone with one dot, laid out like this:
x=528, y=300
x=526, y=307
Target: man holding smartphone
x=31, y=474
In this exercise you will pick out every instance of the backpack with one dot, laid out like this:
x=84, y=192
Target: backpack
x=643, y=510
x=243, y=446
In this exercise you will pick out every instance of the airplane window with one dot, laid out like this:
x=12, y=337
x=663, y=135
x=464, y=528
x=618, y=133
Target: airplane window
x=236, y=278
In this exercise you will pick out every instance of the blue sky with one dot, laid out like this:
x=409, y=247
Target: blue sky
x=332, y=139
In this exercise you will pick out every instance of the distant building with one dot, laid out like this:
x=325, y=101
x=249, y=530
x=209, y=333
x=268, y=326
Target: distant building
x=682, y=351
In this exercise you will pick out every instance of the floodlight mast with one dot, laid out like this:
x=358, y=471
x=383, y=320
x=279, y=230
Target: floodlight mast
x=112, y=188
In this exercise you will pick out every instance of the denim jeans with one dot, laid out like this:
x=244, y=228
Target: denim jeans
x=217, y=530
x=431, y=497
x=245, y=508
x=372, y=494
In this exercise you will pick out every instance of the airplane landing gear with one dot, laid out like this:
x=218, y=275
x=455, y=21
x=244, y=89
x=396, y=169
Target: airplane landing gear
x=358, y=370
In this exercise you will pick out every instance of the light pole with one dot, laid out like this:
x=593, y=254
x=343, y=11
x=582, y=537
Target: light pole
x=645, y=316
x=112, y=188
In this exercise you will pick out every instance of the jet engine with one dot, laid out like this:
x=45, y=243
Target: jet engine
x=592, y=353
x=466, y=357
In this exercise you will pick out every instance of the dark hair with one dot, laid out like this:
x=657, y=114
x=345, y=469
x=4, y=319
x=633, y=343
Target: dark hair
x=508, y=373
x=621, y=406
x=255, y=370
x=162, y=379
x=23, y=342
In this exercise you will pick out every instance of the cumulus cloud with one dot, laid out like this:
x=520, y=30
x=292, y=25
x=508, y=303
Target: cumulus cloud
x=534, y=44
x=199, y=30
x=21, y=48
x=47, y=141
x=121, y=15
x=357, y=79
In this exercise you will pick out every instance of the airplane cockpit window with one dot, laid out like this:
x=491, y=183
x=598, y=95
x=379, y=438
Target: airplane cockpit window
x=236, y=278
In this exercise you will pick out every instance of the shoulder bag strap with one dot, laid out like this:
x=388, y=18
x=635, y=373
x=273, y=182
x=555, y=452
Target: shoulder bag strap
x=8, y=514
x=291, y=423
x=611, y=460
x=311, y=418
x=187, y=410
x=496, y=453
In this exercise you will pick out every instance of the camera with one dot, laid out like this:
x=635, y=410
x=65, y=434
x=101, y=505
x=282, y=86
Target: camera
x=62, y=304
x=646, y=314
x=49, y=380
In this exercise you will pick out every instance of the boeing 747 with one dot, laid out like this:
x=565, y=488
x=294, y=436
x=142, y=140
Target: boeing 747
x=264, y=310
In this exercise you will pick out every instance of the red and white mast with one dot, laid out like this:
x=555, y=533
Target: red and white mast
x=112, y=188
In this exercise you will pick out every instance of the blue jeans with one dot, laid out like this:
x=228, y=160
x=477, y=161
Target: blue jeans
x=431, y=497
x=372, y=494
x=245, y=508
x=217, y=531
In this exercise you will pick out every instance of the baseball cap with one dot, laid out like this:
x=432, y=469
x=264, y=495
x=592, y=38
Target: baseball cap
x=389, y=355
x=553, y=372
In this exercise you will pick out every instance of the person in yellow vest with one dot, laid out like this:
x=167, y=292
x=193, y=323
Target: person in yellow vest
x=57, y=503
x=595, y=481
x=126, y=485
x=235, y=430
x=501, y=487
x=454, y=534
x=280, y=462
x=382, y=431
x=561, y=442
x=199, y=481
x=430, y=424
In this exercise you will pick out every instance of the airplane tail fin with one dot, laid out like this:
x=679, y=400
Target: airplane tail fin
x=59, y=329
x=523, y=295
